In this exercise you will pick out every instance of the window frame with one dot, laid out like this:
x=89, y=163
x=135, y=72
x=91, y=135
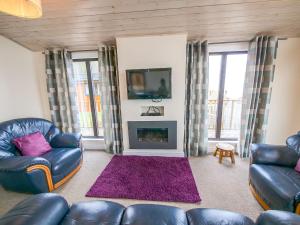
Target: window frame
x=220, y=100
x=91, y=92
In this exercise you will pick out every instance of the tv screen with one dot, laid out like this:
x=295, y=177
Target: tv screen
x=149, y=83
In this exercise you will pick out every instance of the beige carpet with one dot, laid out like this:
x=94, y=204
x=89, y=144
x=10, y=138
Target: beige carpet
x=223, y=186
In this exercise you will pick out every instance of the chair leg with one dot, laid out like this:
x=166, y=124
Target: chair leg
x=220, y=156
x=216, y=151
x=232, y=157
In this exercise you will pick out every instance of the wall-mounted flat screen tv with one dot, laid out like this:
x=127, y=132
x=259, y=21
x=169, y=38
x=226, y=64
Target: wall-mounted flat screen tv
x=149, y=83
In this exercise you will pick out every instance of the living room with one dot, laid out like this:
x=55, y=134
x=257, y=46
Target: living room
x=150, y=112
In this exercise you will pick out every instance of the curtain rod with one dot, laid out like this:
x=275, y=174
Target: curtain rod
x=210, y=43
x=86, y=50
x=233, y=42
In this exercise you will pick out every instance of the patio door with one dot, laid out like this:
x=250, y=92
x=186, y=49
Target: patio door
x=226, y=81
x=86, y=73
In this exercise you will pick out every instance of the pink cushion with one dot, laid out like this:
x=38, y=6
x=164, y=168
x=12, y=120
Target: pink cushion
x=33, y=144
x=297, y=167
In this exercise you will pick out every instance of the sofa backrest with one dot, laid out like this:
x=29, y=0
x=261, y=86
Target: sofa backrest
x=20, y=127
x=293, y=142
x=40, y=209
x=52, y=209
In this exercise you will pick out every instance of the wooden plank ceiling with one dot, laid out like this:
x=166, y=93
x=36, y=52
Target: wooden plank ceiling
x=84, y=24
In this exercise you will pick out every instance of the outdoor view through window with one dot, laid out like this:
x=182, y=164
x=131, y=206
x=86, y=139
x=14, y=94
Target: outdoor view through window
x=226, y=80
x=86, y=73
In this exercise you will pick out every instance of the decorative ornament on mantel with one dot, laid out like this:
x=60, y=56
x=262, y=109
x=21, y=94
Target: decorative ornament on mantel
x=22, y=8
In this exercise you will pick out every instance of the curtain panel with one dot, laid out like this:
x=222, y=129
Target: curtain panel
x=110, y=99
x=62, y=90
x=257, y=92
x=196, y=99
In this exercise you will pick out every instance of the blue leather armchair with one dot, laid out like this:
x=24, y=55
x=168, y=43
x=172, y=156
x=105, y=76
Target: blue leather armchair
x=52, y=209
x=37, y=174
x=273, y=180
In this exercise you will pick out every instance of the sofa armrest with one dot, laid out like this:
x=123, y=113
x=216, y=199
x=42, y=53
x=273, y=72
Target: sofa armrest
x=273, y=155
x=21, y=163
x=293, y=142
x=46, y=209
x=66, y=140
x=26, y=174
x=276, y=217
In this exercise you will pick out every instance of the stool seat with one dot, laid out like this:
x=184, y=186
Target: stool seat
x=225, y=146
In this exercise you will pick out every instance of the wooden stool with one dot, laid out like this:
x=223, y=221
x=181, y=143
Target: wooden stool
x=225, y=150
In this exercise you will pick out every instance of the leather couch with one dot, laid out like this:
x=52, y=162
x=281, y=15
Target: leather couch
x=52, y=209
x=37, y=174
x=273, y=180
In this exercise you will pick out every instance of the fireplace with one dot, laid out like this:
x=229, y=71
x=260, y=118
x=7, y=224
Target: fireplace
x=152, y=134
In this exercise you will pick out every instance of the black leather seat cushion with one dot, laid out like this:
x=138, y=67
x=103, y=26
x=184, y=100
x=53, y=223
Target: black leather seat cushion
x=94, y=213
x=147, y=214
x=216, y=217
x=272, y=217
x=45, y=209
x=63, y=161
x=276, y=185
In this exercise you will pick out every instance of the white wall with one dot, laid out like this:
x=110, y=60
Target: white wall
x=154, y=52
x=21, y=92
x=23, y=82
x=284, y=119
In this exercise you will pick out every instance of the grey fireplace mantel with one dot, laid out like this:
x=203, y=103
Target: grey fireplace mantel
x=168, y=139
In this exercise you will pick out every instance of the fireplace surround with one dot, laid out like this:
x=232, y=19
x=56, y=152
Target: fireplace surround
x=152, y=134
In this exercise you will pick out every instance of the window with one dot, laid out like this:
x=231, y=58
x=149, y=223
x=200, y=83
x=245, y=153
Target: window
x=88, y=96
x=226, y=80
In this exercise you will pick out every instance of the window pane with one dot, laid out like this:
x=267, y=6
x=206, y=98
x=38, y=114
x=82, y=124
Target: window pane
x=233, y=93
x=213, y=93
x=83, y=99
x=96, y=85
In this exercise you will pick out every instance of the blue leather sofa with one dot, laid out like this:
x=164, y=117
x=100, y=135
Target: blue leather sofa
x=37, y=174
x=273, y=180
x=52, y=209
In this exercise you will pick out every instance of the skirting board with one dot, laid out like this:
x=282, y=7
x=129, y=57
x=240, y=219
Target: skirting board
x=154, y=152
x=92, y=143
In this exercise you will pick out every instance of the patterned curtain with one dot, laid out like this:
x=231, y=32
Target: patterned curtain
x=196, y=99
x=110, y=99
x=257, y=92
x=61, y=90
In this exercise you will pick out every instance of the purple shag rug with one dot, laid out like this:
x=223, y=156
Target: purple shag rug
x=147, y=178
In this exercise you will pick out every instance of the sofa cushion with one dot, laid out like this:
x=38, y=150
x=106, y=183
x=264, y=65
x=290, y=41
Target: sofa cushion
x=94, y=212
x=147, y=214
x=41, y=209
x=216, y=217
x=276, y=217
x=63, y=160
x=276, y=185
x=5, y=154
x=33, y=144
